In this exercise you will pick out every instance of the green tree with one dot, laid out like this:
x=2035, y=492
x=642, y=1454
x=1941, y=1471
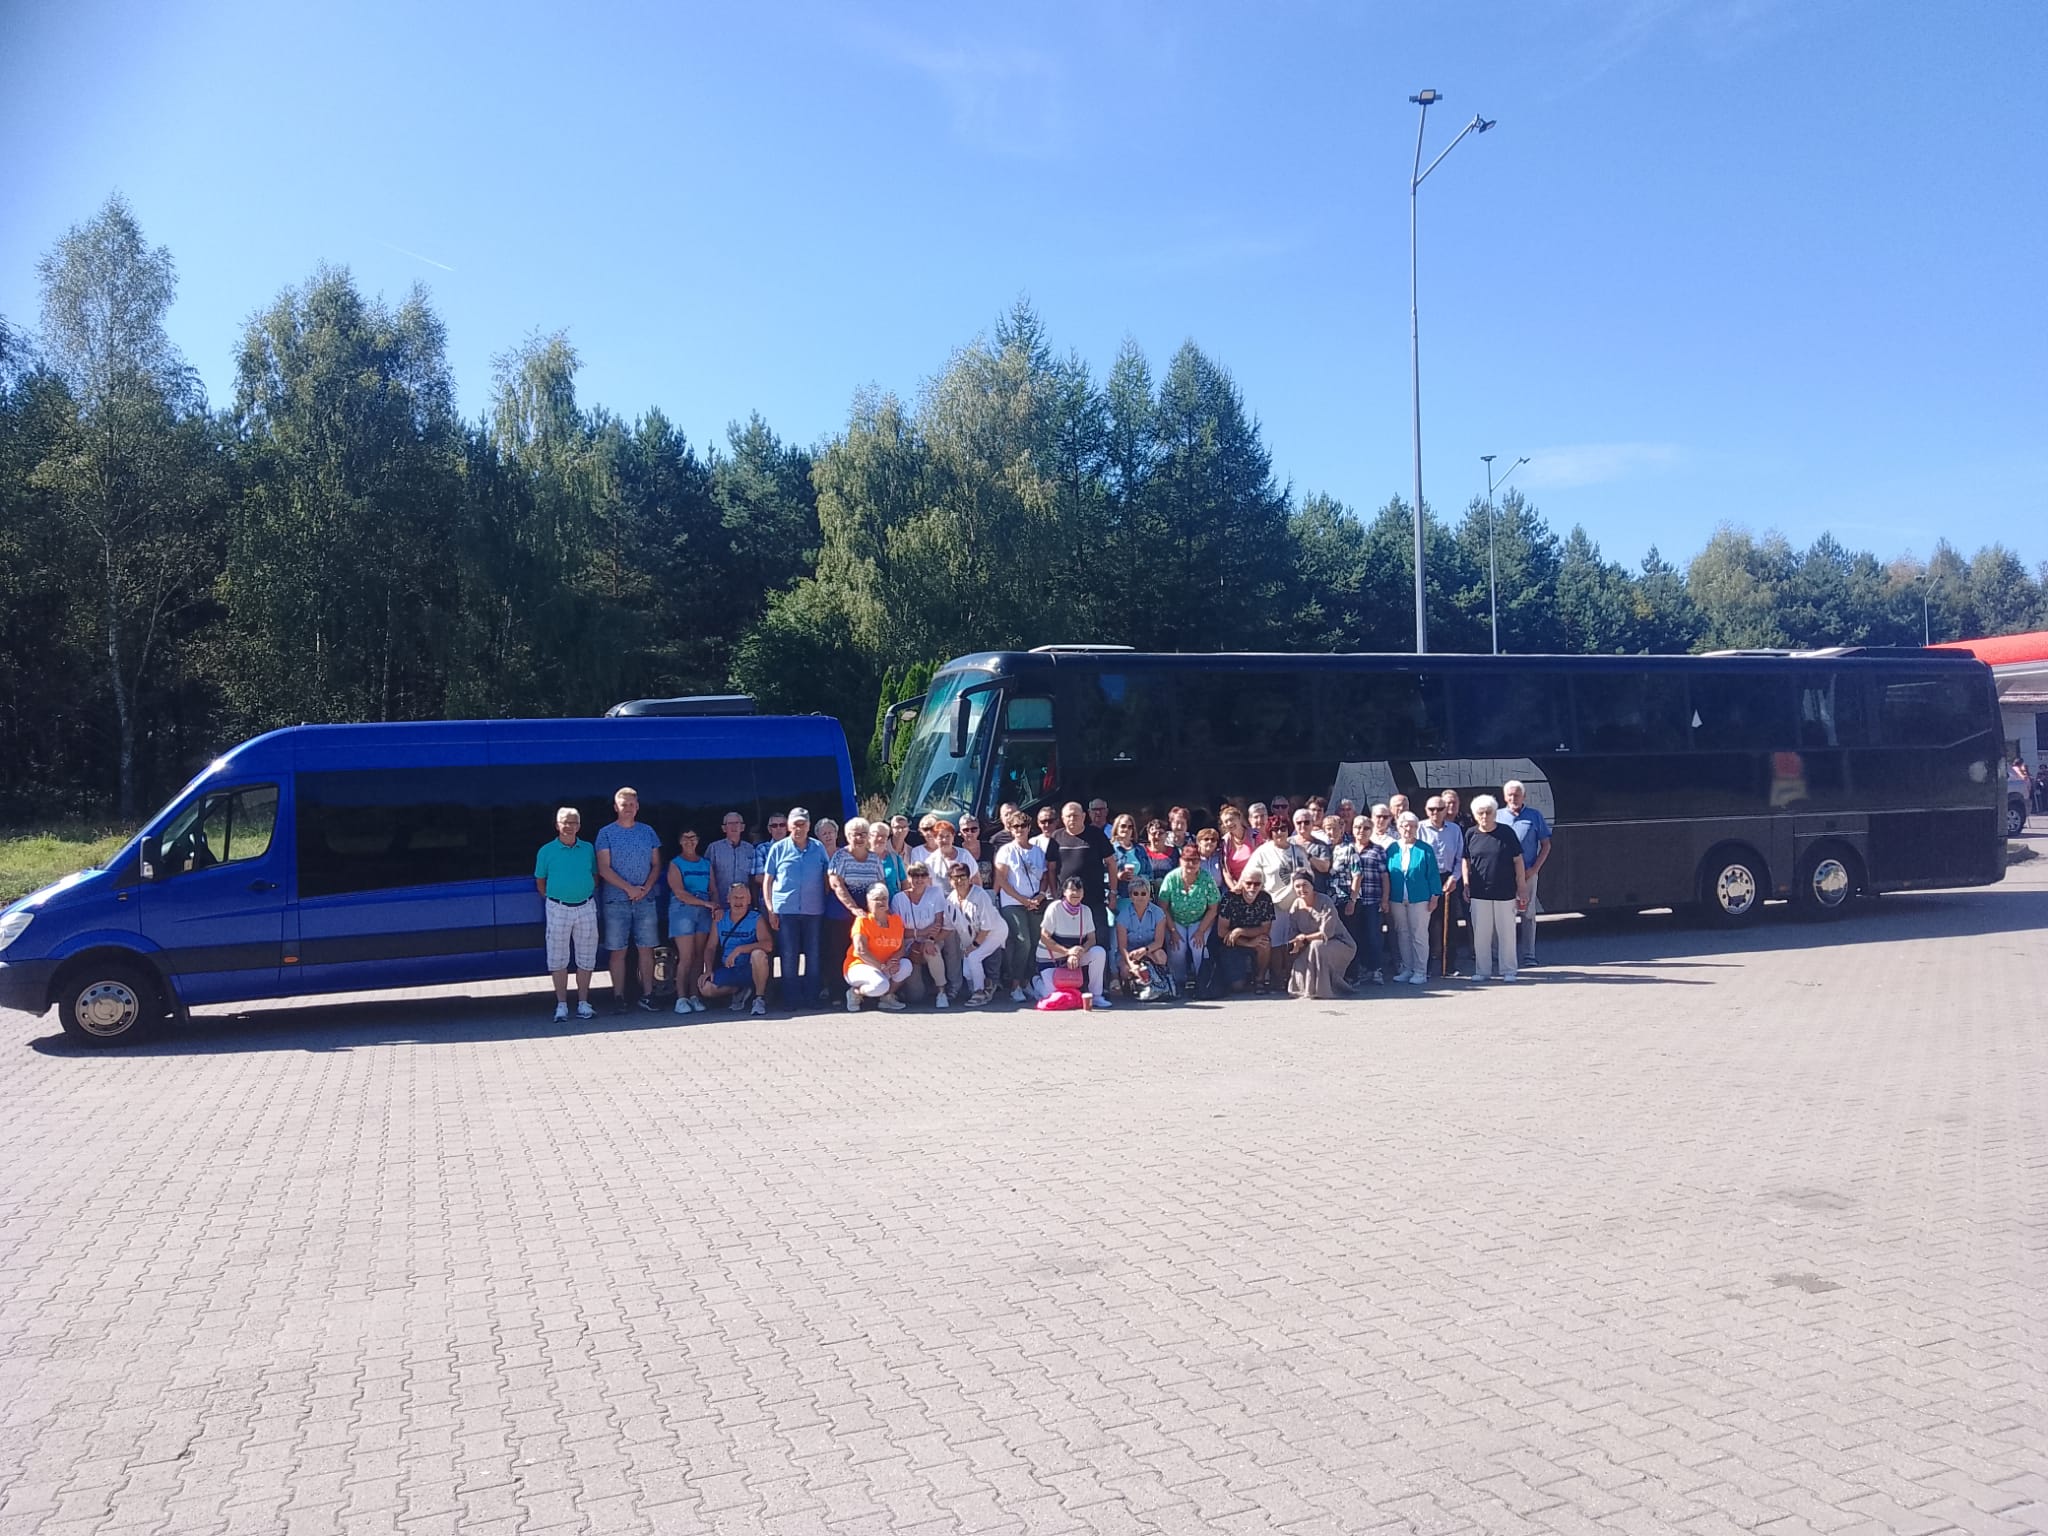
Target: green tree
x=134, y=477
x=340, y=591
x=1736, y=583
x=1595, y=600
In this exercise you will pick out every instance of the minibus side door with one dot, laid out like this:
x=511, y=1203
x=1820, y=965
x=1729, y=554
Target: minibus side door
x=214, y=900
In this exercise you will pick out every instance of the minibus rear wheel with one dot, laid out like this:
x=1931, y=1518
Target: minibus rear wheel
x=109, y=1002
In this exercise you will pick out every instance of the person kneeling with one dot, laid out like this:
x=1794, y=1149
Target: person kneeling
x=1066, y=942
x=875, y=962
x=1245, y=920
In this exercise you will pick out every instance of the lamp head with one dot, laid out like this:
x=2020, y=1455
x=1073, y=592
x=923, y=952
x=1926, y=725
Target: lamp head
x=1484, y=123
x=1427, y=98
x=1488, y=458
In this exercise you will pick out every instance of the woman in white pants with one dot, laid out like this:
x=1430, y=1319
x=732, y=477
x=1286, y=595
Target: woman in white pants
x=1496, y=878
x=1414, y=887
x=875, y=964
x=977, y=927
x=1067, y=938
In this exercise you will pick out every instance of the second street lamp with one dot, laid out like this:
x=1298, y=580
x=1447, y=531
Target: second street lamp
x=1492, y=567
x=1425, y=100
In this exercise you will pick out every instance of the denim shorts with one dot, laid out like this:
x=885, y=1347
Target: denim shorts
x=630, y=922
x=741, y=975
x=684, y=919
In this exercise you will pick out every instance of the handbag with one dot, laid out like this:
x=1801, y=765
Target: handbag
x=1068, y=978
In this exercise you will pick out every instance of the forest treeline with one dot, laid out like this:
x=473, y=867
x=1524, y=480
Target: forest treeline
x=338, y=543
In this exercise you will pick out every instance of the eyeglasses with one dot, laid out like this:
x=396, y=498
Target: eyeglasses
x=970, y=826
x=920, y=874
x=958, y=875
x=1433, y=809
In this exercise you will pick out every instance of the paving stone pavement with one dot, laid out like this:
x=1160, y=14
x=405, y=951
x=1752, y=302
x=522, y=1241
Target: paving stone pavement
x=1690, y=1233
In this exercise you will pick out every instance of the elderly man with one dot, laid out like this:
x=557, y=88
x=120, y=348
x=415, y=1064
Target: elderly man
x=565, y=871
x=1080, y=850
x=794, y=872
x=1448, y=839
x=1528, y=824
x=731, y=858
x=628, y=869
x=778, y=829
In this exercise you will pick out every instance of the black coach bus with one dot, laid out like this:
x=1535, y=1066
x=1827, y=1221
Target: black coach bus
x=1724, y=780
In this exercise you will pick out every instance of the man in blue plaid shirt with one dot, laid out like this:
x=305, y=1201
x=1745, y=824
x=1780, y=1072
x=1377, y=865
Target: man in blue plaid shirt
x=1358, y=877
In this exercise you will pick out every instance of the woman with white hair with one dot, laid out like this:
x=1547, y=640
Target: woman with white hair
x=1414, y=887
x=1495, y=880
x=849, y=872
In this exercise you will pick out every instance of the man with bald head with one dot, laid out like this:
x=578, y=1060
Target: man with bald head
x=1080, y=850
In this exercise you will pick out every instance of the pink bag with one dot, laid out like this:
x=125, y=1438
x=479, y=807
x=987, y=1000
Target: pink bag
x=1059, y=1001
x=1068, y=978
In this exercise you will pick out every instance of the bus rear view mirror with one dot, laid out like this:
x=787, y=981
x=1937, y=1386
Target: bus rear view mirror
x=962, y=714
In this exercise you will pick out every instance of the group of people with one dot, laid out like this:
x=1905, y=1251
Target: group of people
x=1316, y=900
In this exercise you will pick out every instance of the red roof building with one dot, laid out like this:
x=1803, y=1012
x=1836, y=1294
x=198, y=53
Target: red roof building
x=2020, y=663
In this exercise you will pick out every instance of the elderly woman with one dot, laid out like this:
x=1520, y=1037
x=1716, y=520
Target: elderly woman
x=942, y=851
x=970, y=840
x=1319, y=947
x=1067, y=941
x=1177, y=826
x=1413, y=889
x=850, y=872
x=1160, y=858
x=876, y=964
x=1130, y=858
x=1245, y=920
x=1237, y=847
x=1144, y=939
x=1495, y=880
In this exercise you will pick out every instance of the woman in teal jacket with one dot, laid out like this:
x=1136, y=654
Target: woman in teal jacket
x=1414, y=886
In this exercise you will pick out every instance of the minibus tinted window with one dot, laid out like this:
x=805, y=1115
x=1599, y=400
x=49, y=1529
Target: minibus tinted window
x=1931, y=711
x=382, y=829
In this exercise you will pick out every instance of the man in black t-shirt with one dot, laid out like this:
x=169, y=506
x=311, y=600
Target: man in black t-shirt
x=1081, y=852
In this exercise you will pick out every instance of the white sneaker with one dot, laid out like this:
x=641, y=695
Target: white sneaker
x=760, y=1008
x=585, y=1011
x=561, y=1013
x=945, y=1001
x=892, y=1003
x=1016, y=994
x=683, y=1005
x=1101, y=1001
x=852, y=1000
x=1397, y=978
x=1418, y=981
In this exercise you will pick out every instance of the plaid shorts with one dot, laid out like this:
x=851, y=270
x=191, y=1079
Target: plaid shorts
x=572, y=929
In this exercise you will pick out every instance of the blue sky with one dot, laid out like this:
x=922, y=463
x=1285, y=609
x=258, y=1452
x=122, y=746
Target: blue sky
x=1778, y=262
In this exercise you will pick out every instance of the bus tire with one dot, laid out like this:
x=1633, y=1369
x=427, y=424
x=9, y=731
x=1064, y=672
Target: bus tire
x=107, y=1002
x=1733, y=885
x=1830, y=876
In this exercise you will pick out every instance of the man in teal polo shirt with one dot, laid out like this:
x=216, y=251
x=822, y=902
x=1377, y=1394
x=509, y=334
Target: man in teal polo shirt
x=566, y=872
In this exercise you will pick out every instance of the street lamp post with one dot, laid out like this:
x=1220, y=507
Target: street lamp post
x=1492, y=566
x=1425, y=100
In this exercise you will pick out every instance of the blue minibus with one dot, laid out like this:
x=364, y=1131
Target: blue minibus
x=343, y=858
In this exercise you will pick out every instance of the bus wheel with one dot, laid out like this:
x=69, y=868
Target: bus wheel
x=109, y=1002
x=1827, y=882
x=1732, y=888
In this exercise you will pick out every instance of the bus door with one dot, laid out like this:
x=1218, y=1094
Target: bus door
x=214, y=899
x=1027, y=762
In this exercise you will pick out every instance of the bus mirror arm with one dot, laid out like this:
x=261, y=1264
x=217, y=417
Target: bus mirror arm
x=152, y=856
x=962, y=714
x=898, y=715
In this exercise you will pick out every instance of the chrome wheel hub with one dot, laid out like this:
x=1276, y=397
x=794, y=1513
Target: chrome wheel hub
x=108, y=1008
x=1736, y=890
x=1831, y=882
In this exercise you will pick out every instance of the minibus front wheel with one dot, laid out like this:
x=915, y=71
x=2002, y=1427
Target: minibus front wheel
x=107, y=1002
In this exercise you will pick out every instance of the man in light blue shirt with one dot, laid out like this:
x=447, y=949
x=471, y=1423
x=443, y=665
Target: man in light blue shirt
x=793, y=875
x=628, y=869
x=1534, y=831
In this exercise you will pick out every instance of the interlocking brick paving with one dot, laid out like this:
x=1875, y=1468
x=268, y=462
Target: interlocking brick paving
x=1689, y=1233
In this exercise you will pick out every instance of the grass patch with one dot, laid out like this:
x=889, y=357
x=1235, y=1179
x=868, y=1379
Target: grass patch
x=30, y=860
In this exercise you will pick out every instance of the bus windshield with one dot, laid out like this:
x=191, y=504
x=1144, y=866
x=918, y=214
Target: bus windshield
x=932, y=778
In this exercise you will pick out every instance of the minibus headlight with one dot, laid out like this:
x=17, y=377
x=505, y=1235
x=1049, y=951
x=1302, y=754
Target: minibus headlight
x=13, y=926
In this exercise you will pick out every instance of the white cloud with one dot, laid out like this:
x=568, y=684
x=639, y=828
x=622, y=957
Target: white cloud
x=1580, y=464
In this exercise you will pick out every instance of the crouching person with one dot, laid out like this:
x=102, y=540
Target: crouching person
x=875, y=961
x=1066, y=941
x=736, y=962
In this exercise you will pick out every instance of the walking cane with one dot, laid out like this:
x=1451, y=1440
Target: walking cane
x=1447, y=934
